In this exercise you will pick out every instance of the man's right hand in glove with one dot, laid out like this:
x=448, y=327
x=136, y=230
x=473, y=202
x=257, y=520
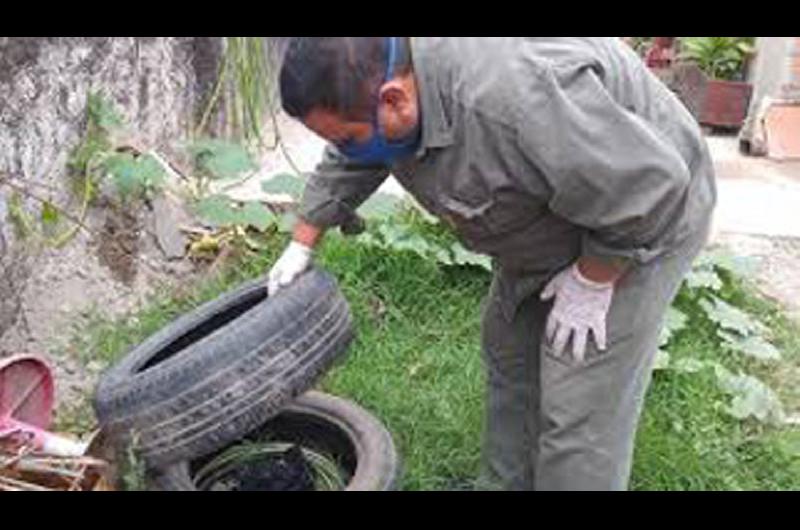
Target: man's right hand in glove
x=295, y=259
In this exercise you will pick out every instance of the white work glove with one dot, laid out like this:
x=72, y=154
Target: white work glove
x=294, y=260
x=580, y=305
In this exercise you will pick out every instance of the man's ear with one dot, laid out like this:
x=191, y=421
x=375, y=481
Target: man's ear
x=394, y=94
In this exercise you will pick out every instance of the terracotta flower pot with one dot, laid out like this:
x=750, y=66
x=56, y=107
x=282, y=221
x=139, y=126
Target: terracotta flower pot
x=725, y=103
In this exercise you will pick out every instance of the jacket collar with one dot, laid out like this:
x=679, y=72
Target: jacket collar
x=431, y=81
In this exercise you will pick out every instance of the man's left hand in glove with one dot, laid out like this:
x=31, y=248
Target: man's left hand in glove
x=582, y=298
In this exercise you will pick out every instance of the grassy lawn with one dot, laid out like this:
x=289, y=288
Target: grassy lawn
x=416, y=364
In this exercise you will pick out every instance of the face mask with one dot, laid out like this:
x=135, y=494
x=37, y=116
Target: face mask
x=379, y=149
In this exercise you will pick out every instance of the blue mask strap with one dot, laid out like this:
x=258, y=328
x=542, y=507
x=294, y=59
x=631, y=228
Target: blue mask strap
x=392, y=58
x=391, y=42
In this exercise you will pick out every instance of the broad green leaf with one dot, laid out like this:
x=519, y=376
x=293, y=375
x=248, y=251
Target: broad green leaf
x=718, y=57
x=220, y=159
x=754, y=346
x=391, y=233
x=700, y=279
x=462, y=256
x=741, y=266
x=662, y=360
x=133, y=175
x=674, y=322
x=731, y=318
x=121, y=168
x=690, y=366
x=413, y=243
x=217, y=211
x=283, y=183
x=442, y=256
x=151, y=172
x=256, y=215
x=368, y=239
x=751, y=397
x=396, y=238
x=380, y=206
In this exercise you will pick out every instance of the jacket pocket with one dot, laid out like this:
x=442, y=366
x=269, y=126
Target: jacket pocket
x=486, y=223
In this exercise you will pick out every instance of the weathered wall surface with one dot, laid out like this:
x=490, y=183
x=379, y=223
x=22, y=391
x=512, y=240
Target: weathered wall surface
x=44, y=83
x=774, y=77
x=158, y=85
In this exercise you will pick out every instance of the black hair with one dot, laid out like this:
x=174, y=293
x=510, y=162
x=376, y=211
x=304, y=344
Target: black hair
x=338, y=74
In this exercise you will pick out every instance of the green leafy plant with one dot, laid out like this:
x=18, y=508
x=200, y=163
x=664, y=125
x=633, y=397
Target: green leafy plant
x=738, y=331
x=702, y=301
x=102, y=123
x=134, y=176
x=406, y=227
x=220, y=159
x=416, y=365
x=751, y=397
x=221, y=211
x=100, y=157
x=244, y=88
x=283, y=183
x=86, y=169
x=243, y=94
x=216, y=161
x=396, y=224
x=719, y=57
x=41, y=227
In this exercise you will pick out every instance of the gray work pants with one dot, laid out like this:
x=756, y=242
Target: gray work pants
x=555, y=425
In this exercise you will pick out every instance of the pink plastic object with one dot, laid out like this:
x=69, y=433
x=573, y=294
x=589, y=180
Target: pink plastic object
x=26, y=390
x=26, y=404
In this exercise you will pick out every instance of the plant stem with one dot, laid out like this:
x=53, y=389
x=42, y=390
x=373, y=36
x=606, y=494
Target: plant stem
x=279, y=141
x=214, y=96
x=79, y=222
x=5, y=180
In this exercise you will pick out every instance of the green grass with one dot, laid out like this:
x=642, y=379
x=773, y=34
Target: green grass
x=416, y=365
x=687, y=442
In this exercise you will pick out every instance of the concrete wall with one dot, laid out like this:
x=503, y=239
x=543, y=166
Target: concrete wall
x=791, y=86
x=770, y=72
x=156, y=83
x=775, y=74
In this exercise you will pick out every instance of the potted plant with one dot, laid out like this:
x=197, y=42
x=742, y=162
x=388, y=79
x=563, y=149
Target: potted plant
x=723, y=60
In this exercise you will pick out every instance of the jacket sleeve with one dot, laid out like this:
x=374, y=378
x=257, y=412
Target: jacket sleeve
x=336, y=188
x=606, y=169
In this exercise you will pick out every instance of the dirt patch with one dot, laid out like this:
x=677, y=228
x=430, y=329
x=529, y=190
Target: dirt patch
x=118, y=247
x=91, y=275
